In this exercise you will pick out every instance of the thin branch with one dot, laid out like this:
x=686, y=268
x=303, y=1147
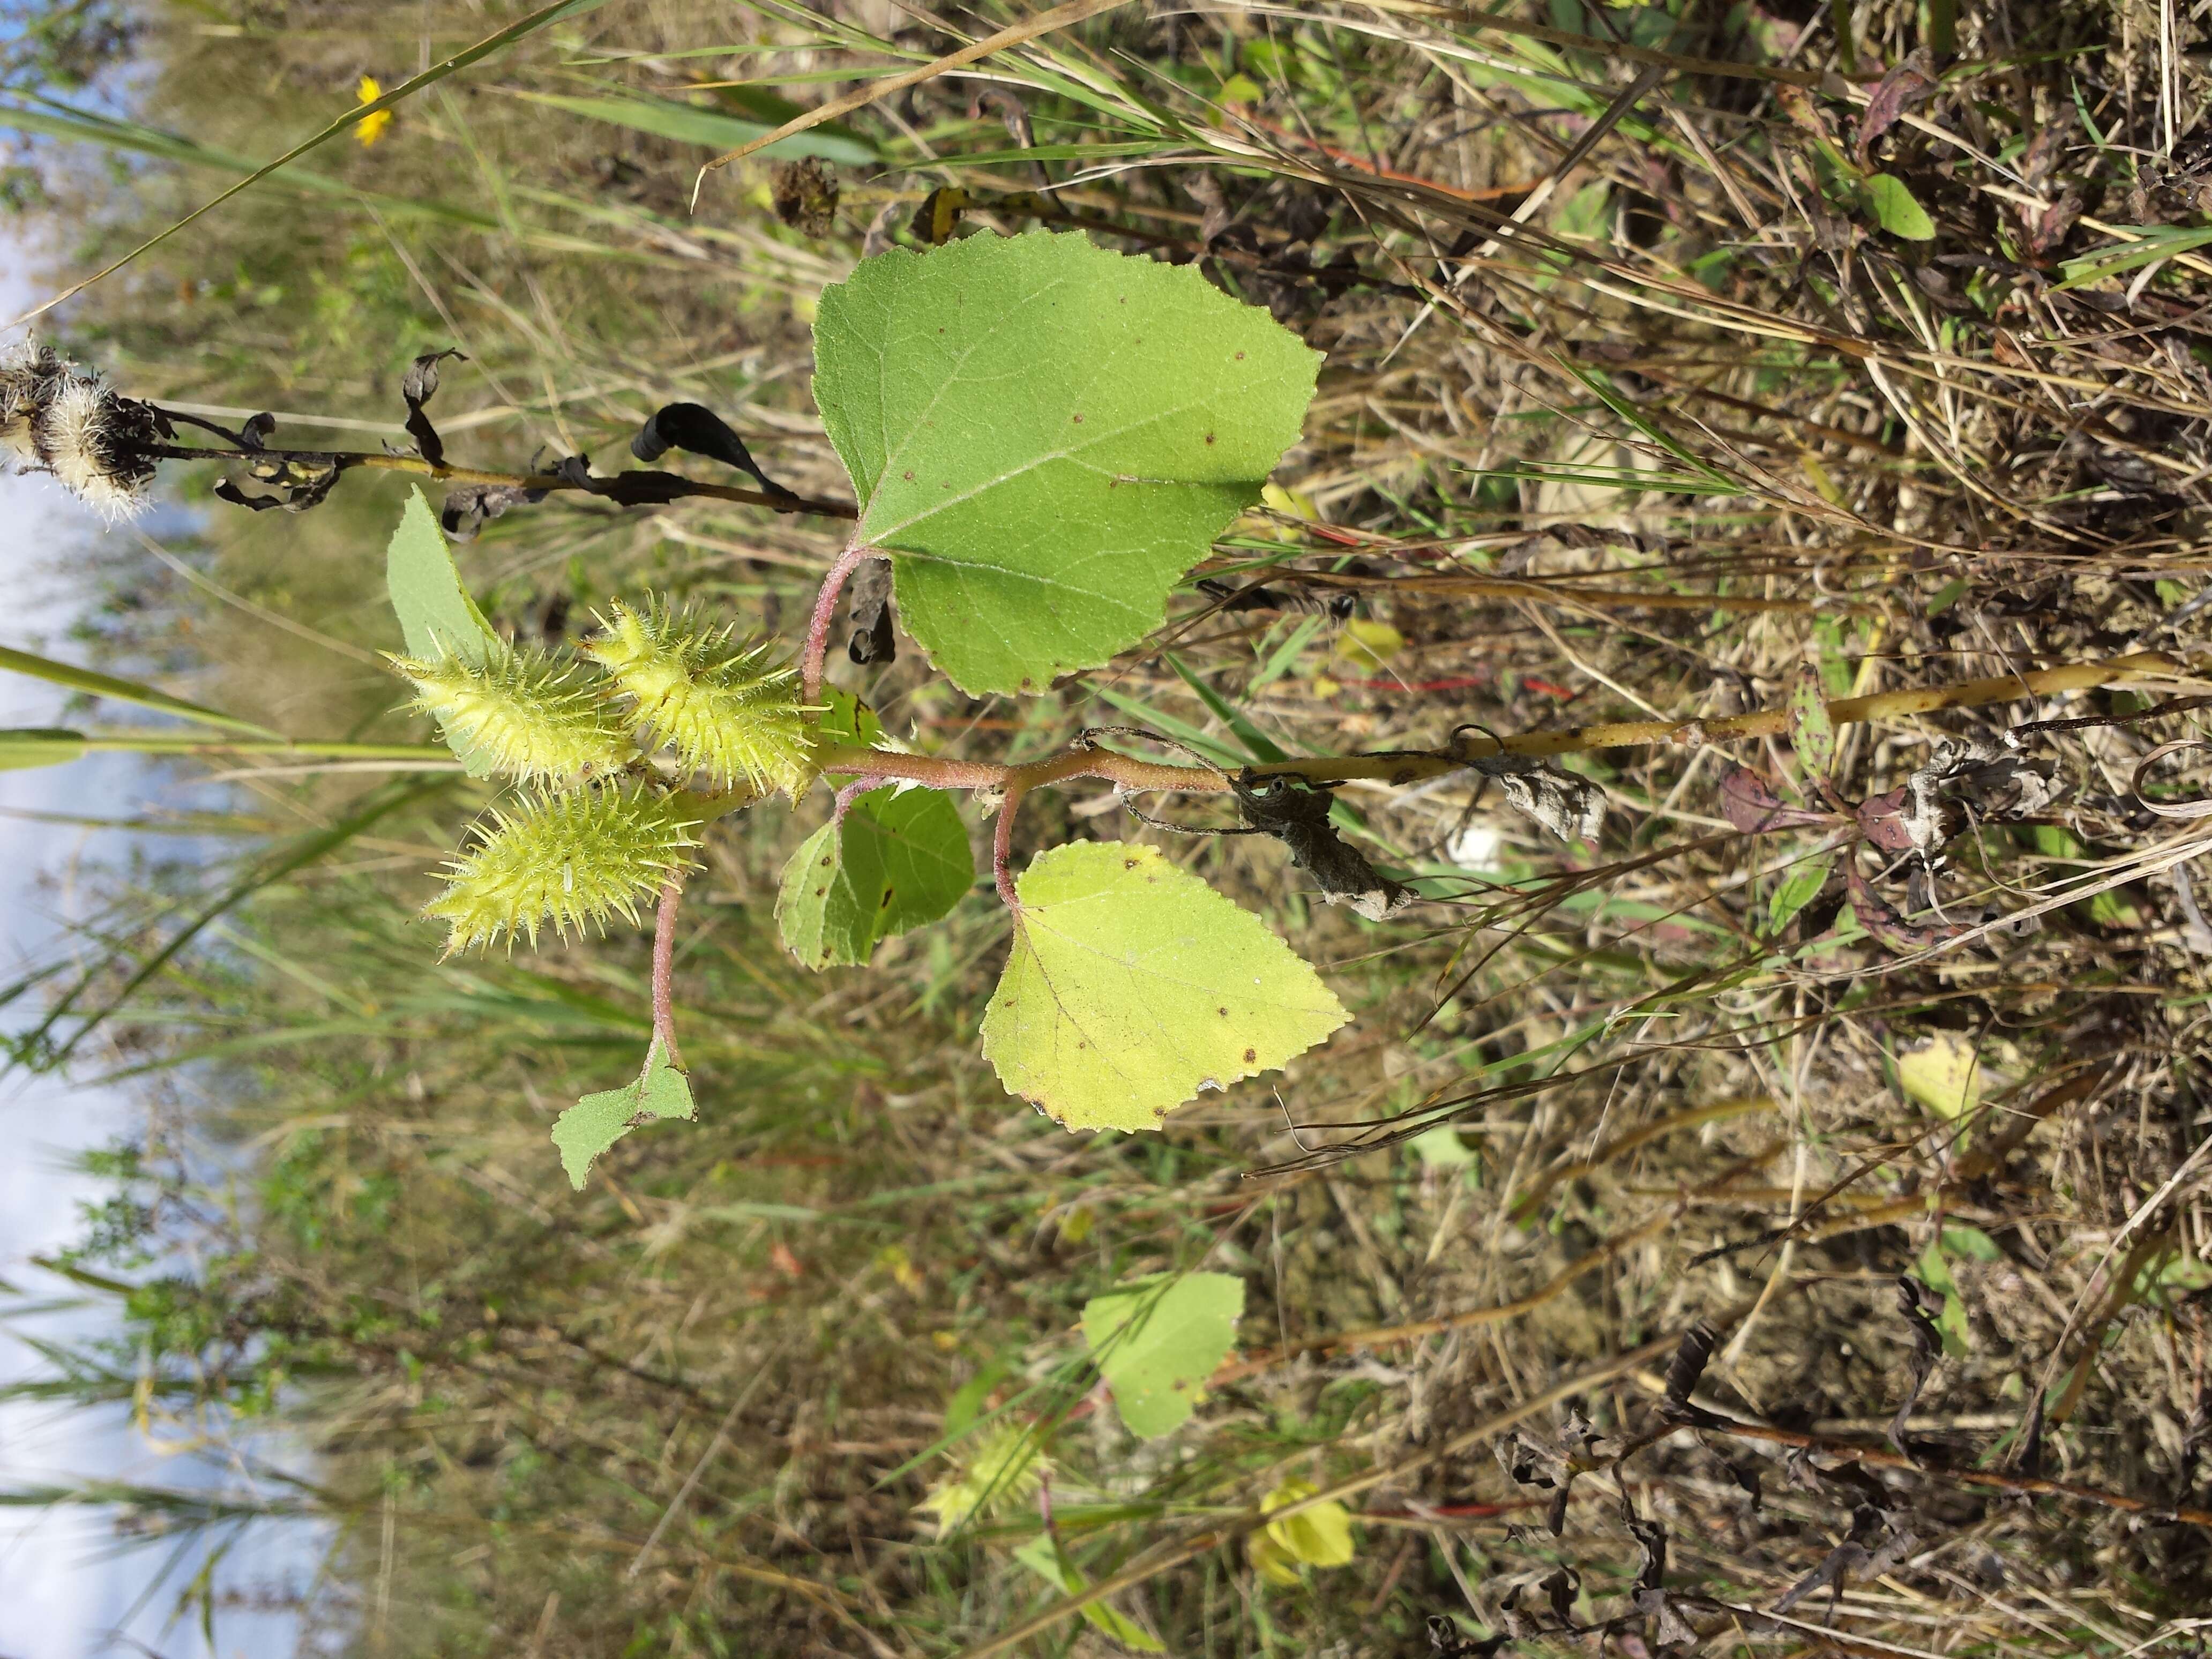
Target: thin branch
x=668, y=486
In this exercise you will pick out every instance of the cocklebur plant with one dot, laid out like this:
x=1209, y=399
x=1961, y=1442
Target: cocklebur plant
x=1043, y=440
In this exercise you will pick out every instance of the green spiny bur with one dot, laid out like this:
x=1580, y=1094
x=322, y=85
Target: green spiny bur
x=524, y=711
x=729, y=710
x=572, y=860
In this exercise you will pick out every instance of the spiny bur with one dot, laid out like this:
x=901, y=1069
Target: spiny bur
x=732, y=711
x=572, y=860
x=1007, y=1464
x=56, y=417
x=524, y=711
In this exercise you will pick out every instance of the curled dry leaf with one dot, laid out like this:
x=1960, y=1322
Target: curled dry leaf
x=1297, y=815
x=1572, y=808
x=874, y=639
x=1750, y=805
x=1904, y=89
x=468, y=508
x=417, y=387
x=697, y=430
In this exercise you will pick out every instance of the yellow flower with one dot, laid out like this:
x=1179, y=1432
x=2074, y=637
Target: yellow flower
x=372, y=127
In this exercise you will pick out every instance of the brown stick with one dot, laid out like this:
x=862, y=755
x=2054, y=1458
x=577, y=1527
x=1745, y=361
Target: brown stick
x=664, y=970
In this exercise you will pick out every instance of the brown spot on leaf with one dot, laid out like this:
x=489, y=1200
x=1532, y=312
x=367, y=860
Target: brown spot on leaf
x=1223, y=1012
x=1251, y=1056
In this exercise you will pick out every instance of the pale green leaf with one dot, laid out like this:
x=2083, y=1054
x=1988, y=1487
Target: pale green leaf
x=1896, y=210
x=598, y=1120
x=1043, y=1556
x=1946, y=1076
x=1935, y=1272
x=1131, y=984
x=1811, y=727
x=437, y=617
x=1046, y=436
x=1320, y=1537
x=899, y=859
x=1441, y=1148
x=106, y=685
x=1798, y=888
x=24, y=747
x=1157, y=1339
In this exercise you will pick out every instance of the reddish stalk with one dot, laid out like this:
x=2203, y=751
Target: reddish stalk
x=664, y=970
x=825, y=607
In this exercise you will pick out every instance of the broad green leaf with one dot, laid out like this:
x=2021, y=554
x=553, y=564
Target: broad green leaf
x=1046, y=436
x=1320, y=1537
x=1157, y=1339
x=1441, y=1148
x=1043, y=1556
x=899, y=859
x=687, y=124
x=25, y=747
x=1798, y=888
x=1810, y=727
x=1896, y=212
x=437, y=617
x=1131, y=984
x=598, y=1120
x=106, y=685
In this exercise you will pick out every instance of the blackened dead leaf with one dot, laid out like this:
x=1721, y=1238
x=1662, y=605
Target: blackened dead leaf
x=1919, y=1304
x=468, y=508
x=698, y=430
x=874, y=639
x=805, y=193
x=1903, y=90
x=631, y=489
x=1446, y=1642
x=418, y=387
x=254, y=434
x=1973, y=781
x=1258, y=597
x=1296, y=815
x=1692, y=1355
x=1560, y=1586
x=1750, y=805
x=1570, y=807
x=294, y=482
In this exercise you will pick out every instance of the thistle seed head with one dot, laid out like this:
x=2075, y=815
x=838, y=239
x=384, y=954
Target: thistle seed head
x=573, y=861
x=524, y=711
x=1006, y=1465
x=729, y=710
x=56, y=418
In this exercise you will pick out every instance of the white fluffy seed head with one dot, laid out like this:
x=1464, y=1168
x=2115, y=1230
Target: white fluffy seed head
x=55, y=418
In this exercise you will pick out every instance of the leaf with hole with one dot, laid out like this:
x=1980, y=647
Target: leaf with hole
x=598, y=1120
x=899, y=860
x=1045, y=436
x=1157, y=1339
x=1133, y=985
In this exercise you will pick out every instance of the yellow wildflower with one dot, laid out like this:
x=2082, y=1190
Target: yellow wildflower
x=372, y=127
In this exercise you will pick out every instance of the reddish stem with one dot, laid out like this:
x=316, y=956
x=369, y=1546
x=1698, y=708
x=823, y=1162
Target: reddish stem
x=664, y=970
x=825, y=608
x=851, y=792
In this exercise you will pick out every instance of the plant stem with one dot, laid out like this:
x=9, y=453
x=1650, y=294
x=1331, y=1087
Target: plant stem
x=825, y=607
x=345, y=460
x=1410, y=766
x=664, y=970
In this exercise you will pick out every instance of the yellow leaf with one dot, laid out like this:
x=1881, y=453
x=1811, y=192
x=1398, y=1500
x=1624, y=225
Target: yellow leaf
x=372, y=127
x=1267, y=1557
x=1946, y=1077
x=1325, y=687
x=1367, y=645
x=1320, y=1537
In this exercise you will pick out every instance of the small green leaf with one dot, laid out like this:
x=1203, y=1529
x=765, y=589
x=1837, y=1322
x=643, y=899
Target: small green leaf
x=1441, y=1148
x=1320, y=1537
x=24, y=747
x=1043, y=1556
x=437, y=617
x=1157, y=1339
x=1797, y=889
x=597, y=1121
x=1896, y=212
x=899, y=859
x=1810, y=728
x=1936, y=1273
x=1131, y=984
x=1046, y=436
